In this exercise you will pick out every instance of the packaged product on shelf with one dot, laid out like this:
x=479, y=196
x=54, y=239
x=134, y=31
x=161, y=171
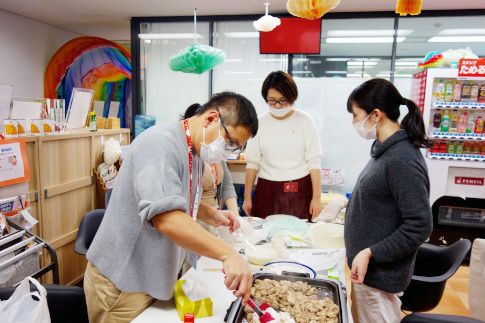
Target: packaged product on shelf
x=470, y=127
x=479, y=125
x=459, y=148
x=465, y=92
x=437, y=122
x=481, y=94
x=454, y=121
x=462, y=122
x=449, y=92
x=474, y=93
x=467, y=147
x=457, y=92
x=440, y=91
x=476, y=148
x=445, y=121
x=482, y=149
x=451, y=147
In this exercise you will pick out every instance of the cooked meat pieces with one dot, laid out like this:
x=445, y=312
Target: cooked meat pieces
x=299, y=299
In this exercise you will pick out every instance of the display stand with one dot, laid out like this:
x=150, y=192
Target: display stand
x=25, y=263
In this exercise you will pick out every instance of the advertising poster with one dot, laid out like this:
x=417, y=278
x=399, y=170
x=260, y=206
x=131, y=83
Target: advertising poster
x=14, y=167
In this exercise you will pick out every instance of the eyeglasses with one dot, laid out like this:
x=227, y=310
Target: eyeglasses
x=231, y=145
x=281, y=102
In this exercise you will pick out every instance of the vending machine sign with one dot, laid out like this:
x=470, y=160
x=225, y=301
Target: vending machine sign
x=471, y=68
x=469, y=180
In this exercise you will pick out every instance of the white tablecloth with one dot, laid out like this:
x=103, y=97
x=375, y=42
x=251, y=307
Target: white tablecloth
x=164, y=311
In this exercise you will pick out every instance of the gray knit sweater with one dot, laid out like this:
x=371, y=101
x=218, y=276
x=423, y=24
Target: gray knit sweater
x=389, y=212
x=153, y=179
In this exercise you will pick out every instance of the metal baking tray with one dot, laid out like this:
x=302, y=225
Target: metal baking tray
x=326, y=288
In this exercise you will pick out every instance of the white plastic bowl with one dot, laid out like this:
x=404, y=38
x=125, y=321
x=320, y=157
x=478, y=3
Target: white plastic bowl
x=261, y=256
x=328, y=235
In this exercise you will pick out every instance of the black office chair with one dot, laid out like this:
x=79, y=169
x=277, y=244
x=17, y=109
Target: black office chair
x=66, y=303
x=87, y=230
x=438, y=318
x=434, y=265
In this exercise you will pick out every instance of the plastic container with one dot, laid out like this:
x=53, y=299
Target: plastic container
x=454, y=121
x=457, y=92
x=440, y=91
x=143, y=122
x=449, y=92
x=328, y=235
x=445, y=121
x=261, y=256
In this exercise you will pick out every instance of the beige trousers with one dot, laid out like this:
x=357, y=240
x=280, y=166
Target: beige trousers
x=370, y=305
x=106, y=304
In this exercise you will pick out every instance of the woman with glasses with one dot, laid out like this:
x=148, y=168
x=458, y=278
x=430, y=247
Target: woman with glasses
x=285, y=155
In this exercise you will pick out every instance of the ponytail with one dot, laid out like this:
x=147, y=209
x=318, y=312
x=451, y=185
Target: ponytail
x=414, y=125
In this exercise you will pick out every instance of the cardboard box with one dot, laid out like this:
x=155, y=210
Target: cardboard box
x=183, y=304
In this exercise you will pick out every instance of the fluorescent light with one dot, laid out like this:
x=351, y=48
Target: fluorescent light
x=354, y=74
x=233, y=60
x=406, y=64
x=360, y=63
x=403, y=75
x=450, y=32
x=315, y=62
x=457, y=39
x=302, y=72
x=249, y=34
x=376, y=32
x=169, y=36
x=301, y=59
x=383, y=75
x=337, y=59
x=336, y=72
x=270, y=60
x=362, y=40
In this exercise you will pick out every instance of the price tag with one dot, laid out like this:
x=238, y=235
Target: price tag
x=471, y=68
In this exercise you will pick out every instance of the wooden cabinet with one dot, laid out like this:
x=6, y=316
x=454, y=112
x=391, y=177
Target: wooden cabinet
x=62, y=175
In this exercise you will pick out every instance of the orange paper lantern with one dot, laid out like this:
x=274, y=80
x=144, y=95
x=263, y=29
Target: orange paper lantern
x=310, y=9
x=412, y=7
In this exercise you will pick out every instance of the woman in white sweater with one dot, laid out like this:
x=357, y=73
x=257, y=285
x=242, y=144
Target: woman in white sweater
x=285, y=155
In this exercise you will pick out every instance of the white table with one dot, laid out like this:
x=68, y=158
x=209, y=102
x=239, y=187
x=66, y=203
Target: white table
x=164, y=311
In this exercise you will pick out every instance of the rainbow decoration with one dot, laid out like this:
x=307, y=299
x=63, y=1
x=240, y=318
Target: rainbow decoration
x=432, y=59
x=91, y=63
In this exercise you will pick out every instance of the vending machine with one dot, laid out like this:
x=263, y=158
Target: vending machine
x=454, y=112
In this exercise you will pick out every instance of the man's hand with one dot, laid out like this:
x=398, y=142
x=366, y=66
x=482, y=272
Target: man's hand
x=227, y=219
x=359, y=266
x=238, y=276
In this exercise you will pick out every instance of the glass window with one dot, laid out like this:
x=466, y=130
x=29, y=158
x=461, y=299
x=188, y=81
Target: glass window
x=244, y=69
x=427, y=34
x=165, y=93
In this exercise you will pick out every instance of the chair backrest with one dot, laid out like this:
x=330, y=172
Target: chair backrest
x=87, y=230
x=434, y=265
x=476, y=283
x=66, y=303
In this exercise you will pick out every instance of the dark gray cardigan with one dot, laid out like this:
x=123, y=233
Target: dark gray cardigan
x=389, y=212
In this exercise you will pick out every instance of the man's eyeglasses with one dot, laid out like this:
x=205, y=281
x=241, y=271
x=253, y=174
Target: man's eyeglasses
x=231, y=145
x=281, y=102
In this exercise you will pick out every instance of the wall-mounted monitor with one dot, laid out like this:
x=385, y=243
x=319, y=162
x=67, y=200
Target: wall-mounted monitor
x=293, y=36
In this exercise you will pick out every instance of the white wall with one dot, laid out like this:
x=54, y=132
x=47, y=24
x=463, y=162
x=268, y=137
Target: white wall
x=26, y=46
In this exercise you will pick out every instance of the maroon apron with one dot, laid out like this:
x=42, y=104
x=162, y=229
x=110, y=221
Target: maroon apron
x=272, y=197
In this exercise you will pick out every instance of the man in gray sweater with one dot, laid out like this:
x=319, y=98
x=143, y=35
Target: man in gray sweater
x=149, y=226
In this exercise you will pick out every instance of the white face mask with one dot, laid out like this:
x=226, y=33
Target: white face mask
x=216, y=151
x=281, y=112
x=364, y=133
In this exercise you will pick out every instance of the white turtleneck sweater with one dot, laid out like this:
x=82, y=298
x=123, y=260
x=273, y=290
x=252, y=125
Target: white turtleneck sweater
x=285, y=150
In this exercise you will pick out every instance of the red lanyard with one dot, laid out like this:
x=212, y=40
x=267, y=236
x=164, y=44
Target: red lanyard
x=215, y=168
x=189, y=145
